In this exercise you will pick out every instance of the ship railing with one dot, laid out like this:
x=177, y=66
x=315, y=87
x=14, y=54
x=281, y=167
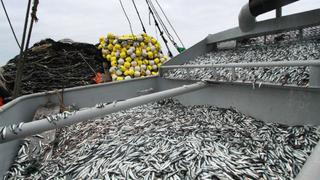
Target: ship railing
x=314, y=66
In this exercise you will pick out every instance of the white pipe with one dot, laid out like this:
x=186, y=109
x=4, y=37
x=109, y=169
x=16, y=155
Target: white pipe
x=42, y=125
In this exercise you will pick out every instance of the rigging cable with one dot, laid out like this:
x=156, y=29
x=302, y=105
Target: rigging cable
x=34, y=18
x=156, y=32
x=163, y=26
x=9, y=21
x=17, y=86
x=125, y=13
x=169, y=23
x=135, y=7
x=160, y=31
x=160, y=20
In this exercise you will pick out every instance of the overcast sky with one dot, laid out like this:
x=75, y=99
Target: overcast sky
x=86, y=21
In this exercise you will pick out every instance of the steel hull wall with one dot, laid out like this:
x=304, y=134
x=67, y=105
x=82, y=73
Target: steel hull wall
x=23, y=108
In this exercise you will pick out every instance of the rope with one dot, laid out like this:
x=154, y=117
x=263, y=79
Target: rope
x=160, y=31
x=156, y=32
x=34, y=18
x=125, y=13
x=34, y=10
x=17, y=84
x=159, y=19
x=84, y=59
x=169, y=23
x=135, y=7
x=9, y=21
x=162, y=24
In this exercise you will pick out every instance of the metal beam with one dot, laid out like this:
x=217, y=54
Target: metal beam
x=190, y=54
x=23, y=130
x=271, y=26
x=255, y=64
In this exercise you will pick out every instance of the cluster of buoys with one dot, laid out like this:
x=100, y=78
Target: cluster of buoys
x=132, y=56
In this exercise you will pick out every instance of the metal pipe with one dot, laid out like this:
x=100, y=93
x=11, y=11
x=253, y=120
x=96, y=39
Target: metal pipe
x=249, y=12
x=258, y=7
x=246, y=20
x=23, y=130
x=260, y=64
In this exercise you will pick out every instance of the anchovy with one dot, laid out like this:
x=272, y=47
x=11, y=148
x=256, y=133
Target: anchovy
x=3, y=132
x=167, y=140
x=288, y=50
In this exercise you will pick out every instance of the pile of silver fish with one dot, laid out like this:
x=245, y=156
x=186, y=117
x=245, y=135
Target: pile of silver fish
x=284, y=50
x=166, y=140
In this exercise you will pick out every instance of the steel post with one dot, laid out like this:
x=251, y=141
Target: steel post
x=300, y=34
x=279, y=12
x=214, y=73
x=314, y=76
x=233, y=74
x=188, y=73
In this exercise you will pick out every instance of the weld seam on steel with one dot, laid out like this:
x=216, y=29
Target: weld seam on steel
x=261, y=64
x=35, y=127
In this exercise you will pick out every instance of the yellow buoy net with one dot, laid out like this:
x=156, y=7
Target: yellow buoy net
x=132, y=56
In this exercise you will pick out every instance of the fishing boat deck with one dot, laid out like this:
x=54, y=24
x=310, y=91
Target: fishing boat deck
x=223, y=130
